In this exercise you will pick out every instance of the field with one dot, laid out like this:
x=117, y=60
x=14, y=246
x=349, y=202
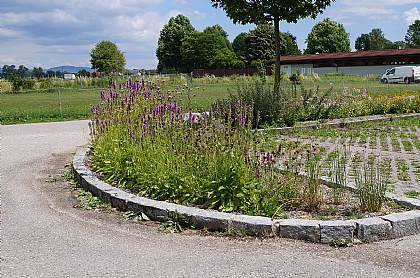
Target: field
x=59, y=100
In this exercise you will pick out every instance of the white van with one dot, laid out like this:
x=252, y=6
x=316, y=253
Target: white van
x=406, y=74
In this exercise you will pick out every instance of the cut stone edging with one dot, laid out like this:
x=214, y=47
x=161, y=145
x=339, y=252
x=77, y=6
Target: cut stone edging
x=365, y=230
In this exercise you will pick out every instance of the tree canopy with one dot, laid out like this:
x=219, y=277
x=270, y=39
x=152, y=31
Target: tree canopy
x=328, y=36
x=269, y=11
x=362, y=43
x=207, y=50
x=106, y=57
x=412, y=38
x=238, y=45
x=169, y=43
x=260, y=44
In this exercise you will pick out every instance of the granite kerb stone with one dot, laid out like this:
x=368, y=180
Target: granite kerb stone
x=332, y=230
x=403, y=223
x=304, y=229
x=372, y=229
x=366, y=230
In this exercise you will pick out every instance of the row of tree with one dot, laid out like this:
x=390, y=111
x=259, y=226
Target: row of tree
x=37, y=72
x=181, y=48
x=22, y=72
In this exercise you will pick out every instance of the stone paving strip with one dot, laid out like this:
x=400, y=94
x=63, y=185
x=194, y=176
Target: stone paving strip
x=362, y=230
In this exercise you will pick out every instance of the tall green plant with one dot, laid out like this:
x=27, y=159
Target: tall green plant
x=371, y=178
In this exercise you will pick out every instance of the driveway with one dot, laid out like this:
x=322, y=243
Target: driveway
x=44, y=235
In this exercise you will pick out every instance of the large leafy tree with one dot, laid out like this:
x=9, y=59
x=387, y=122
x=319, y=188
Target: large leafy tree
x=204, y=50
x=328, y=36
x=107, y=57
x=378, y=40
x=271, y=11
x=220, y=35
x=168, y=51
x=260, y=44
x=412, y=38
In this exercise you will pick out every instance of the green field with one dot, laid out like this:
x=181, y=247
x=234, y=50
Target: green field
x=77, y=96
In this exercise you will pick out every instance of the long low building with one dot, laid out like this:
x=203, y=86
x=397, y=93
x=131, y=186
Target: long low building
x=358, y=63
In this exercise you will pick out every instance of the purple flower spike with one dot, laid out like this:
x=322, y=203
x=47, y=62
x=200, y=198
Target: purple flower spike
x=241, y=120
x=103, y=95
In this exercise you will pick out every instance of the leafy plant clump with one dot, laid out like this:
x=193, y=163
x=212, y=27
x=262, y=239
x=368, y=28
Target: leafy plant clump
x=89, y=202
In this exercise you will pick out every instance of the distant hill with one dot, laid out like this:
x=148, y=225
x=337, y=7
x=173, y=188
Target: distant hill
x=71, y=69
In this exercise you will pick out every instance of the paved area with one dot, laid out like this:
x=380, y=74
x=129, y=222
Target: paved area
x=43, y=235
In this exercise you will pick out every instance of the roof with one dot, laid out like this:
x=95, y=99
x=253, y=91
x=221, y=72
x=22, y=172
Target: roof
x=408, y=55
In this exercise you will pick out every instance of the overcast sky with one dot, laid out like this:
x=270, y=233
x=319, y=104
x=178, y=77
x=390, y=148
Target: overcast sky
x=48, y=33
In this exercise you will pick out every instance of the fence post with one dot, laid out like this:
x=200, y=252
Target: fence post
x=59, y=101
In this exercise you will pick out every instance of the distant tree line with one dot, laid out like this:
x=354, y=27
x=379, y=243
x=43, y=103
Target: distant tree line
x=10, y=71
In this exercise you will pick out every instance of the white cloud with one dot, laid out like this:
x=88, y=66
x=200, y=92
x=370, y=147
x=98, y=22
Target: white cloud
x=411, y=16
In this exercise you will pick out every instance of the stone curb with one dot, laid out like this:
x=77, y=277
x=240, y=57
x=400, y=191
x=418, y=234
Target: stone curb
x=365, y=230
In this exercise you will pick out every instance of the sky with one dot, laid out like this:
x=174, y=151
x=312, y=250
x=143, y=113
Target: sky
x=49, y=33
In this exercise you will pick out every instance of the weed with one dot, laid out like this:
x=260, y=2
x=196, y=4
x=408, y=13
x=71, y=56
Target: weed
x=342, y=242
x=173, y=222
x=89, y=202
x=412, y=194
x=135, y=216
x=402, y=170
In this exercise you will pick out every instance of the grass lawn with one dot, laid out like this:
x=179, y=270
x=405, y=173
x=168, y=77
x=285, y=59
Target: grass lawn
x=41, y=105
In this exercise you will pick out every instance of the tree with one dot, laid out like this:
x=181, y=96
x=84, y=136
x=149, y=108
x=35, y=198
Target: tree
x=225, y=59
x=238, y=46
x=375, y=40
x=412, y=38
x=202, y=50
x=38, y=72
x=328, y=36
x=362, y=43
x=107, y=57
x=84, y=73
x=269, y=11
x=9, y=70
x=289, y=46
x=220, y=35
x=260, y=44
x=50, y=73
x=398, y=45
x=168, y=51
x=22, y=71
x=378, y=40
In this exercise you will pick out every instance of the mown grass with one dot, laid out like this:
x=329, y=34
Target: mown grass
x=42, y=103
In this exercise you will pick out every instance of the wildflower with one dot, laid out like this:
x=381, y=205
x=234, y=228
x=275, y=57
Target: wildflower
x=241, y=120
x=103, y=95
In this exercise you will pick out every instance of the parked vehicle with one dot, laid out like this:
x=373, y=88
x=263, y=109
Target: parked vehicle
x=69, y=76
x=406, y=74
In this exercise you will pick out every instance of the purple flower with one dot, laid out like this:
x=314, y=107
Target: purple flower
x=241, y=120
x=103, y=95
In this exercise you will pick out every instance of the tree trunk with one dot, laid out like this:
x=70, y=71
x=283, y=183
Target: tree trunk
x=277, y=56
